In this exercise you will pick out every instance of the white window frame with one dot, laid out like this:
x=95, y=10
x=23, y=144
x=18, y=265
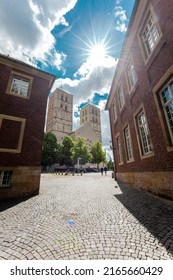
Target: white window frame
x=150, y=35
x=166, y=100
x=23, y=82
x=114, y=110
x=19, y=86
x=119, y=149
x=128, y=143
x=131, y=75
x=143, y=131
x=7, y=180
x=121, y=97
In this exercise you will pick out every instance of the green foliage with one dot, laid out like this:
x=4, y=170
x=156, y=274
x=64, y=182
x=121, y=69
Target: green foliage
x=98, y=155
x=80, y=151
x=110, y=164
x=65, y=151
x=49, y=150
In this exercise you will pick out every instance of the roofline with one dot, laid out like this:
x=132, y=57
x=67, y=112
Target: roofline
x=63, y=90
x=91, y=105
x=135, y=7
x=12, y=60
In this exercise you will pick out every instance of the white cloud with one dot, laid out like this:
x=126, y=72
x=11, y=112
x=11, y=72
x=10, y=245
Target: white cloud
x=121, y=27
x=121, y=19
x=25, y=34
x=98, y=79
x=63, y=21
x=25, y=31
x=58, y=59
x=118, y=2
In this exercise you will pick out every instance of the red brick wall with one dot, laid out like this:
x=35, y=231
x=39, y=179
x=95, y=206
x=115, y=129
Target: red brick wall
x=33, y=110
x=148, y=75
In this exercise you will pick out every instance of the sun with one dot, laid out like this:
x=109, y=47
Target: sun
x=97, y=54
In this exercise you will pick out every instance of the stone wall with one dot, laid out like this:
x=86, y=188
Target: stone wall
x=25, y=182
x=159, y=183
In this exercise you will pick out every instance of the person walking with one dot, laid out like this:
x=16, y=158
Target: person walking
x=101, y=169
x=105, y=170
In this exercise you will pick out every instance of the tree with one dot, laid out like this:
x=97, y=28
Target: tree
x=66, y=151
x=80, y=151
x=110, y=164
x=49, y=150
x=98, y=155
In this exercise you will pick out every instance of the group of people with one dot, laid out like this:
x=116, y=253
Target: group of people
x=103, y=169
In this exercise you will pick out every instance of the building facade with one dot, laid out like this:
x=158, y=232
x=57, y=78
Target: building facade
x=60, y=114
x=91, y=114
x=87, y=132
x=140, y=102
x=23, y=98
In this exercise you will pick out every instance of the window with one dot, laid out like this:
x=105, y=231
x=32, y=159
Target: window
x=143, y=133
x=11, y=133
x=128, y=143
x=19, y=86
x=121, y=97
x=131, y=75
x=166, y=97
x=5, y=178
x=119, y=148
x=113, y=111
x=150, y=35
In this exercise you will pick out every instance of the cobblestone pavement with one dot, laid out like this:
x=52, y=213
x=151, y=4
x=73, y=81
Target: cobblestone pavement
x=86, y=217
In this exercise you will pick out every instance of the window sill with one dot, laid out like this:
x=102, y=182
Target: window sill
x=122, y=109
x=115, y=121
x=131, y=160
x=155, y=53
x=147, y=155
x=133, y=90
x=5, y=187
x=169, y=149
x=17, y=95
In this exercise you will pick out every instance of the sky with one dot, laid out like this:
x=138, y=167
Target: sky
x=77, y=40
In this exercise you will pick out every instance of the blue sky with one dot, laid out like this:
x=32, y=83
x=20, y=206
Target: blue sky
x=78, y=40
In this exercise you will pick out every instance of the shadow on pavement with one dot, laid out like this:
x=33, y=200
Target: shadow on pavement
x=4, y=205
x=153, y=213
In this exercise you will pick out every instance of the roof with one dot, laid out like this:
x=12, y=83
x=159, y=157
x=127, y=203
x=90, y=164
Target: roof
x=62, y=90
x=13, y=62
x=90, y=105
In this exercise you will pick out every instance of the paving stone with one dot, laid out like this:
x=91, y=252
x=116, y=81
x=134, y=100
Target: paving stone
x=109, y=222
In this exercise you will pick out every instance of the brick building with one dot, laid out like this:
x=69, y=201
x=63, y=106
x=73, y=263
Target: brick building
x=23, y=98
x=140, y=102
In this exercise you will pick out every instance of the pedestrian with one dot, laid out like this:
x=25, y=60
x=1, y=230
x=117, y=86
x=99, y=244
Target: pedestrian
x=101, y=169
x=105, y=170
